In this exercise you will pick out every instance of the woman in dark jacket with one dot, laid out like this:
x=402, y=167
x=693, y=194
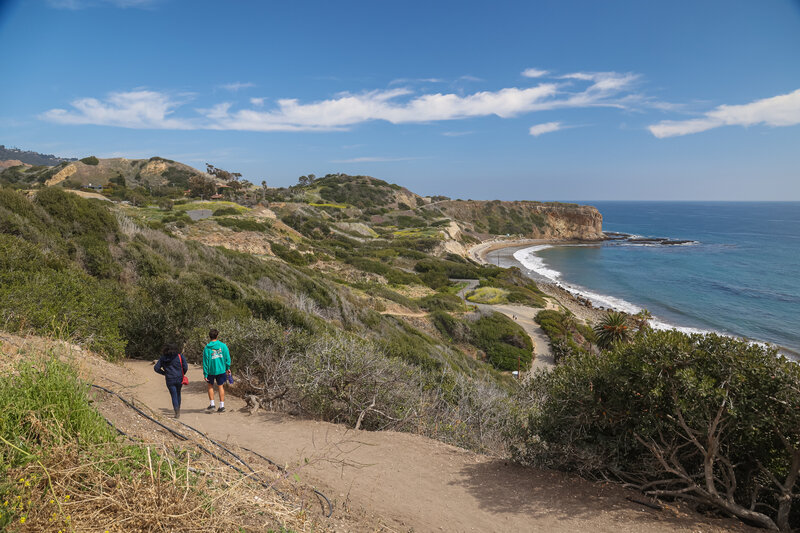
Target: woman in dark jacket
x=173, y=366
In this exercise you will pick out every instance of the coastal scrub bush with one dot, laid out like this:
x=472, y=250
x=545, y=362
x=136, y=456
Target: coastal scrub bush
x=441, y=302
x=91, y=160
x=710, y=419
x=567, y=336
x=224, y=211
x=42, y=299
x=505, y=343
x=291, y=255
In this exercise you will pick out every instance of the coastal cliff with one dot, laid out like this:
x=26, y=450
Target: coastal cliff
x=536, y=220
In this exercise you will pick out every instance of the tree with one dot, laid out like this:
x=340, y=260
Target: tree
x=612, y=329
x=224, y=175
x=306, y=180
x=202, y=187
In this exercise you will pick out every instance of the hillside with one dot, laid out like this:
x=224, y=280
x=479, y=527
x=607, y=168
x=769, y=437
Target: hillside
x=29, y=157
x=350, y=300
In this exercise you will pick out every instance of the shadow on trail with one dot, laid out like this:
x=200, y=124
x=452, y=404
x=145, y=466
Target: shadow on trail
x=504, y=487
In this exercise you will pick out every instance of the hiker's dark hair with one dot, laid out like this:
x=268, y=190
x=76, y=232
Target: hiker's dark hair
x=171, y=348
x=213, y=334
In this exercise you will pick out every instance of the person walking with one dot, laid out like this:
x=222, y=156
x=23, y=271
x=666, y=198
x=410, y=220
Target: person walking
x=216, y=369
x=173, y=367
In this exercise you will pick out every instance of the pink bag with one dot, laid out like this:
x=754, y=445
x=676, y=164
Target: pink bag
x=185, y=379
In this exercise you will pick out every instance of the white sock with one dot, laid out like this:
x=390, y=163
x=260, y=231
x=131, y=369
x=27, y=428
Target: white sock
x=212, y=403
x=222, y=404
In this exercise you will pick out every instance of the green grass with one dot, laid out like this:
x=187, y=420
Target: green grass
x=417, y=232
x=488, y=295
x=212, y=205
x=337, y=206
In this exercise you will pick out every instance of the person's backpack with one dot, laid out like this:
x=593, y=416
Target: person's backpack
x=185, y=378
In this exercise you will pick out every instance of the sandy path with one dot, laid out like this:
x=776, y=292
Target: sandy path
x=412, y=482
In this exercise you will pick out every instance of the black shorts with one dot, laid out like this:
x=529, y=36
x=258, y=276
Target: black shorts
x=220, y=379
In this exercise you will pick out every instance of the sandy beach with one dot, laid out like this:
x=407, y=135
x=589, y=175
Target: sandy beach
x=501, y=252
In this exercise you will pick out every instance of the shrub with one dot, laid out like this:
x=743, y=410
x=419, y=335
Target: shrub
x=91, y=160
x=224, y=211
x=441, y=302
x=567, y=336
x=83, y=308
x=712, y=419
x=291, y=255
x=505, y=343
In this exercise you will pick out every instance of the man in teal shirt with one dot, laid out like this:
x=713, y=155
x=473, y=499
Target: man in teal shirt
x=216, y=368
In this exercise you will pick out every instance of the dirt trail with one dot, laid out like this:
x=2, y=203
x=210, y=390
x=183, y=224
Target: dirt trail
x=411, y=482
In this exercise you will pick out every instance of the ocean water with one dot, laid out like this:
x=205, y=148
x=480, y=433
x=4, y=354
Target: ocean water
x=740, y=277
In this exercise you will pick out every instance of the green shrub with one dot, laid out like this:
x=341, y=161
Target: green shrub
x=441, y=302
x=224, y=211
x=91, y=160
x=291, y=255
x=506, y=344
x=85, y=309
x=708, y=418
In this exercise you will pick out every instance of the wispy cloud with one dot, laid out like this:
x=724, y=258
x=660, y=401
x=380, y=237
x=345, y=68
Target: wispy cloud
x=75, y=5
x=547, y=127
x=457, y=133
x=405, y=81
x=150, y=109
x=374, y=159
x=781, y=110
x=139, y=109
x=467, y=77
x=237, y=86
x=534, y=73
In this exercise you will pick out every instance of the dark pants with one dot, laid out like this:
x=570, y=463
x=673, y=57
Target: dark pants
x=175, y=392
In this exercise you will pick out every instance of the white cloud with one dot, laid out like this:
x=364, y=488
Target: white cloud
x=377, y=159
x=534, y=73
x=149, y=109
x=467, y=77
x=138, y=109
x=457, y=133
x=404, y=81
x=547, y=127
x=236, y=86
x=781, y=110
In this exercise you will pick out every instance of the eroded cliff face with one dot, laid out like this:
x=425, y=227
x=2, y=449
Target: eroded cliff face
x=536, y=220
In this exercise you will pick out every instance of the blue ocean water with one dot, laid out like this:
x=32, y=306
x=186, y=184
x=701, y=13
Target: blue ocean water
x=742, y=277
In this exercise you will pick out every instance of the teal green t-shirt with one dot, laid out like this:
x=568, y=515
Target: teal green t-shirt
x=216, y=359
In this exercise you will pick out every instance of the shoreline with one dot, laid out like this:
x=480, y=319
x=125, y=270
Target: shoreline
x=505, y=249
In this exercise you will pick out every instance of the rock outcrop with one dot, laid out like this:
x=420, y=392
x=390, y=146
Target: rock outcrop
x=536, y=220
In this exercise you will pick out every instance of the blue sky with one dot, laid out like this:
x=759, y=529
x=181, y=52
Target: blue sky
x=582, y=100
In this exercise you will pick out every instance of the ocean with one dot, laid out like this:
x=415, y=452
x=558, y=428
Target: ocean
x=740, y=276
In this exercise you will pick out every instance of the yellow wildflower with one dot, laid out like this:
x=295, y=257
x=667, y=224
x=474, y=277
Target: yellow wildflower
x=22, y=520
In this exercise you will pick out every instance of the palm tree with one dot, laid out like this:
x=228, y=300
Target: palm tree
x=612, y=329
